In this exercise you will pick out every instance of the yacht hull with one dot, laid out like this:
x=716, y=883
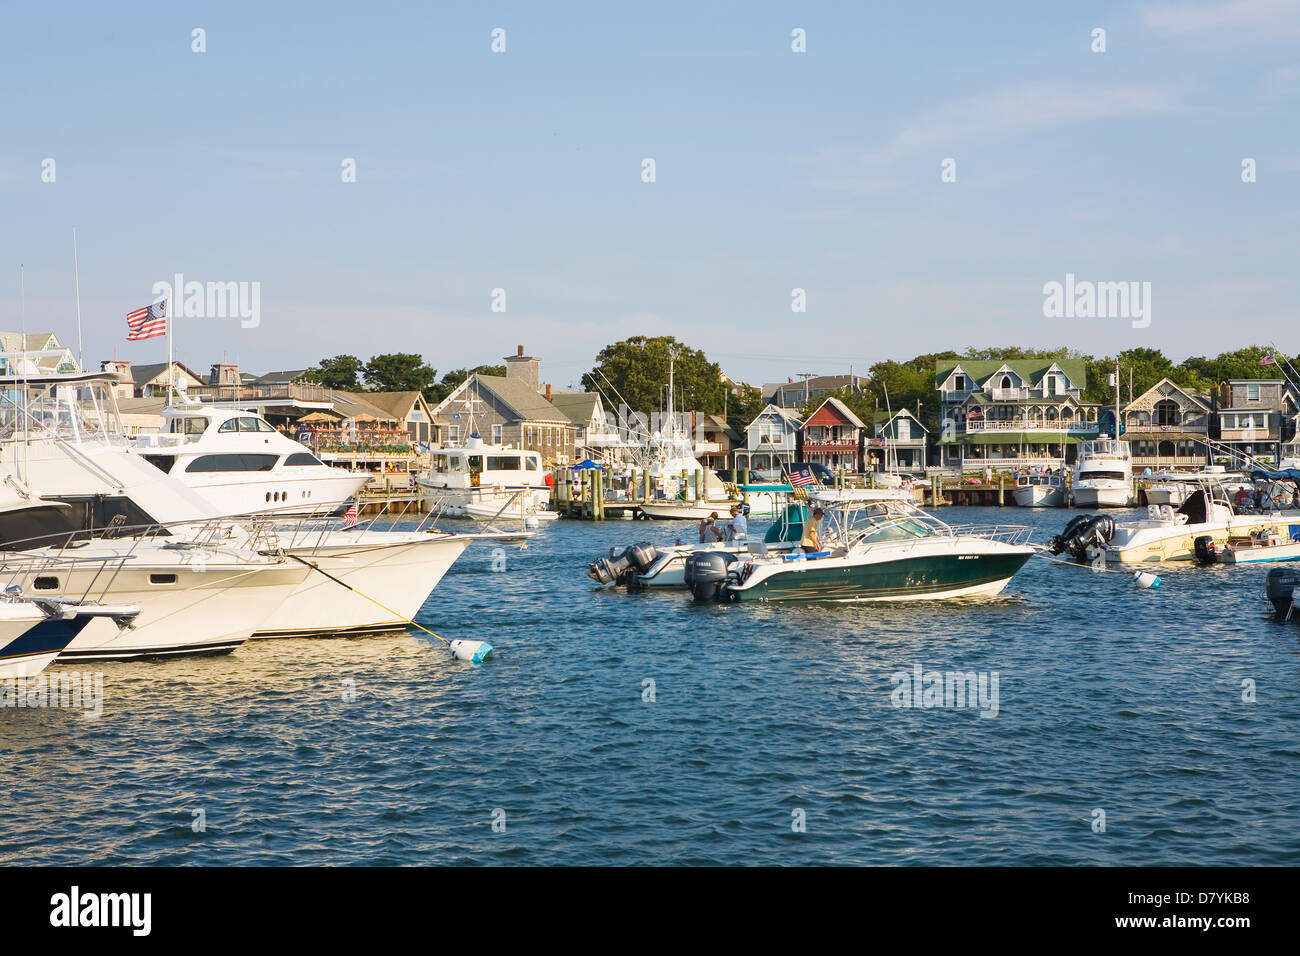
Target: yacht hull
x=918, y=578
x=1178, y=543
x=29, y=641
x=682, y=511
x=1091, y=497
x=1039, y=496
x=185, y=610
x=391, y=582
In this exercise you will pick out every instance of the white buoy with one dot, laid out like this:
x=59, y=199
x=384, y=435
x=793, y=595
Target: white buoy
x=476, y=652
x=531, y=522
x=1145, y=579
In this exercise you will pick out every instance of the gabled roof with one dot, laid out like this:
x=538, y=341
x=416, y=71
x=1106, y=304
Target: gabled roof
x=1031, y=370
x=784, y=413
x=579, y=407
x=882, y=419
x=278, y=378
x=358, y=404
x=141, y=374
x=836, y=409
x=397, y=404
x=1197, y=395
x=524, y=400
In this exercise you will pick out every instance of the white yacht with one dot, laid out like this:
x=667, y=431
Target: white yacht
x=1172, y=487
x=1039, y=491
x=479, y=480
x=211, y=582
x=34, y=632
x=1103, y=475
x=243, y=465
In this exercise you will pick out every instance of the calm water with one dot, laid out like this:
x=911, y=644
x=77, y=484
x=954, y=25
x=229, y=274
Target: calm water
x=1109, y=698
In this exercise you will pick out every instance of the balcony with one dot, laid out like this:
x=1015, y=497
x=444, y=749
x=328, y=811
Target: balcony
x=1030, y=425
x=249, y=393
x=1010, y=394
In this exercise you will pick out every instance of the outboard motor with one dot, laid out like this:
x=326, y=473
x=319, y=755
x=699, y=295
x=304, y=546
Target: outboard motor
x=1206, y=551
x=707, y=572
x=616, y=569
x=1281, y=587
x=1083, y=533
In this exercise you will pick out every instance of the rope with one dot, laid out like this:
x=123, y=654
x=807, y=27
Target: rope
x=406, y=620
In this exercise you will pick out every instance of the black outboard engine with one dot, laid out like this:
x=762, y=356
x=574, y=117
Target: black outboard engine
x=1083, y=533
x=707, y=572
x=1281, y=585
x=616, y=569
x=1206, y=551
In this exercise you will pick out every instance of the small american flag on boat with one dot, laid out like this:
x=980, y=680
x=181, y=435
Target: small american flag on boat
x=802, y=477
x=147, y=323
x=350, y=516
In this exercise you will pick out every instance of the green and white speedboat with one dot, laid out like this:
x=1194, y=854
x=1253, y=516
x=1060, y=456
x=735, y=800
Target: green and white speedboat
x=874, y=551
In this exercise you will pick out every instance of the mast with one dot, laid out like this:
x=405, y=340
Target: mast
x=76, y=285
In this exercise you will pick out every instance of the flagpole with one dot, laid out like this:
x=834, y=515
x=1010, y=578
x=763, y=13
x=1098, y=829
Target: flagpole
x=171, y=368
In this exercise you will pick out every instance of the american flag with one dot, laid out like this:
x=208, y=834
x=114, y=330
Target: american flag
x=350, y=516
x=1268, y=360
x=802, y=477
x=147, y=323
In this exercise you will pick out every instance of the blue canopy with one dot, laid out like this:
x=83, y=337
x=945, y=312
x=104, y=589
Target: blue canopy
x=586, y=465
x=1287, y=474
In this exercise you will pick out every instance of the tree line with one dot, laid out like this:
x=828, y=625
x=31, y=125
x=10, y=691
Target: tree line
x=390, y=372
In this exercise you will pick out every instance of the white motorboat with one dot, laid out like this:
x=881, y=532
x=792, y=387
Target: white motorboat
x=1199, y=530
x=470, y=480
x=646, y=565
x=243, y=465
x=1263, y=546
x=1039, y=491
x=1103, y=475
x=874, y=551
x=34, y=632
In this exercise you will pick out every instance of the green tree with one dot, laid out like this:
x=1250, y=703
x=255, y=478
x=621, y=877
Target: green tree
x=340, y=372
x=743, y=408
x=398, y=372
x=635, y=371
x=450, y=381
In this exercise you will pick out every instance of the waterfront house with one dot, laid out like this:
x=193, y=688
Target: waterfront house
x=1004, y=414
x=712, y=439
x=771, y=440
x=511, y=410
x=1167, y=427
x=596, y=436
x=409, y=410
x=796, y=394
x=1258, y=418
x=833, y=436
x=899, y=443
x=40, y=350
x=145, y=381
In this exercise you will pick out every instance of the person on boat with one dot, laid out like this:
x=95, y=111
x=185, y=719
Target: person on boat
x=709, y=532
x=811, y=541
x=739, y=526
x=1241, y=500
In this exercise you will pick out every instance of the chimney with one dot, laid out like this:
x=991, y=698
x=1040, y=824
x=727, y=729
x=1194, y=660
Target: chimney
x=548, y=388
x=523, y=367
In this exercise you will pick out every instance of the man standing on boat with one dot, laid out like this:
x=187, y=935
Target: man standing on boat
x=739, y=526
x=811, y=541
x=709, y=532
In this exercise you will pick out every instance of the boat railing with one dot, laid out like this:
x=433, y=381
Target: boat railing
x=1005, y=533
x=19, y=569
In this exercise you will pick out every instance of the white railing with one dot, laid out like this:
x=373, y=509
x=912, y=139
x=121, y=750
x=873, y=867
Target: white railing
x=1009, y=394
x=1029, y=426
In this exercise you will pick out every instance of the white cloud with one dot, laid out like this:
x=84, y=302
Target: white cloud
x=1026, y=107
x=1278, y=15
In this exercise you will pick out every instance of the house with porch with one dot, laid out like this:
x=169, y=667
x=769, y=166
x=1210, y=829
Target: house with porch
x=833, y=436
x=899, y=443
x=771, y=440
x=1168, y=427
x=1015, y=413
x=712, y=439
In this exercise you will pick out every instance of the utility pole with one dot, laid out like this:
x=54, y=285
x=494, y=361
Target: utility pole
x=805, y=376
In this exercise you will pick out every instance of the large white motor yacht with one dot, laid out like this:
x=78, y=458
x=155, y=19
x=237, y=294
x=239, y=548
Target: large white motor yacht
x=243, y=465
x=1103, y=475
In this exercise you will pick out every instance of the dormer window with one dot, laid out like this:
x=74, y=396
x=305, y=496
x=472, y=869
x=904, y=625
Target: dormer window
x=959, y=383
x=1006, y=381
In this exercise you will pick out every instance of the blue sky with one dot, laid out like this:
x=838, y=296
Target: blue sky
x=775, y=170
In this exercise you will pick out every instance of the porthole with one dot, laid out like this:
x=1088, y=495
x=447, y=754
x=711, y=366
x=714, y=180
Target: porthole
x=46, y=583
x=162, y=579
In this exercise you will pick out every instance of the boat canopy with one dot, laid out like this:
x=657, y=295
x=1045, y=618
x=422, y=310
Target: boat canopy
x=1287, y=474
x=780, y=488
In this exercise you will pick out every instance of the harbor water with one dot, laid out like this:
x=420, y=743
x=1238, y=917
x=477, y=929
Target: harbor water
x=1118, y=726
